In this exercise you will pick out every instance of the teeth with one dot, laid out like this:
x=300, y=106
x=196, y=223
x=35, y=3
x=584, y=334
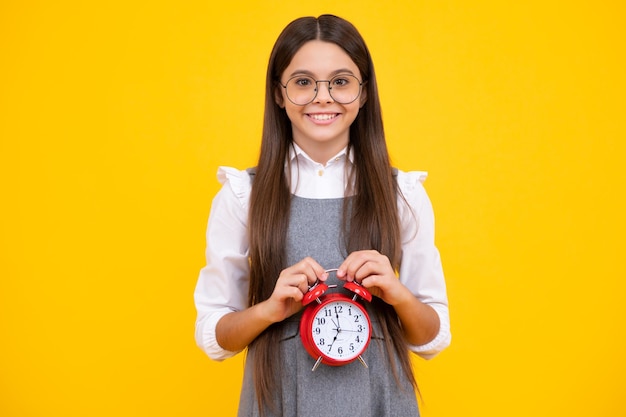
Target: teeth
x=322, y=116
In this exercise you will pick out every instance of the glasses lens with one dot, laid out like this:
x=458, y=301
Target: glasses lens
x=301, y=90
x=344, y=89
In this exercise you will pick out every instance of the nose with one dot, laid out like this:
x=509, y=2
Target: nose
x=323, y=94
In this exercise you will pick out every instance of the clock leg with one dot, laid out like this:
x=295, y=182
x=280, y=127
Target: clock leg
x=319, y=360
x=363, y=361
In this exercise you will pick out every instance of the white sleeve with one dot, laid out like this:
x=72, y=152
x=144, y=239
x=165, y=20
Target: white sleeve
x=222, y=285
x=421, y=269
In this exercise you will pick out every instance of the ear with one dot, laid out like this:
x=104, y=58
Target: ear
x=278, y=97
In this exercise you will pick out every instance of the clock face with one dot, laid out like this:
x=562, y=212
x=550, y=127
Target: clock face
x=340, y=329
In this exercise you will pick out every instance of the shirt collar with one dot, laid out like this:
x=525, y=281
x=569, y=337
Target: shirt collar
x=296, y=152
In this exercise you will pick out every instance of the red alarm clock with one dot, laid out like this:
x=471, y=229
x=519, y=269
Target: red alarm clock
x=336, y=329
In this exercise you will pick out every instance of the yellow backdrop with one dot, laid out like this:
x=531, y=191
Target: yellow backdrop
x=114, y=117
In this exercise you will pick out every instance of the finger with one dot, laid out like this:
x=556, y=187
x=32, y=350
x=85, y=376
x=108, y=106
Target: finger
x=299, y=281
x=313, y=270
x=291, y=286
x=371, y=280
x=303, y=283
x=351, y=268
x=296, y=293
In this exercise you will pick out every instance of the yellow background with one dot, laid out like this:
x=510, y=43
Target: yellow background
x=114, y=117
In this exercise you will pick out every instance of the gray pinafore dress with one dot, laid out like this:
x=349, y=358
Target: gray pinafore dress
x=350, y=390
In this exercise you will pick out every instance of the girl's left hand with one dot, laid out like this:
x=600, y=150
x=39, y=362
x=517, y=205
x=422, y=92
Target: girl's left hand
x=374, y=271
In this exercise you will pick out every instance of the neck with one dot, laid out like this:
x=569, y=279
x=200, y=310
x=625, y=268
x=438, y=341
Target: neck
x=322, y=152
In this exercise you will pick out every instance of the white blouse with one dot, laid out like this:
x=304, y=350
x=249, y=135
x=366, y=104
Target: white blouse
x=222, y=286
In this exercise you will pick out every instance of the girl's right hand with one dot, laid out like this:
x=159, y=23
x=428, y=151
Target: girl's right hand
x=293, y=282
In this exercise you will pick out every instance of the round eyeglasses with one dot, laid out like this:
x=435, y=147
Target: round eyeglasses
x=302, y=89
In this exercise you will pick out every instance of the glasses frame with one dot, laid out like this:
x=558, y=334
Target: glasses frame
x=330, y=88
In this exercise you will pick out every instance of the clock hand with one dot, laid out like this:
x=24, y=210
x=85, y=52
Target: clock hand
x=338, y=329
x=336, y=324
x=333, y=342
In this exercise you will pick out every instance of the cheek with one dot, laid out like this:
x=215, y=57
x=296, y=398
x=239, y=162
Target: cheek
x=353, y=112
x=291, y=112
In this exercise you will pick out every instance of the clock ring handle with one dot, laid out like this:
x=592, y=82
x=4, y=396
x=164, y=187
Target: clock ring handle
x=317, y=290
x=355, y=287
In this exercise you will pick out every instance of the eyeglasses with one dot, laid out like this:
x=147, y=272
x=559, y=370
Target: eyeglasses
x=302, y=90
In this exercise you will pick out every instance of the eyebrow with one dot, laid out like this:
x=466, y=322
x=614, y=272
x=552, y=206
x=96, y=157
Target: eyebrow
x=332, y=74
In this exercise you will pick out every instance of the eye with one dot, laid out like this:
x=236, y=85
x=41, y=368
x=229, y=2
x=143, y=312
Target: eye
x=303, y=82
x=343, y=81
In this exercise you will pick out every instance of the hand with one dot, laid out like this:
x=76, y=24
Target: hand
x=293, y=282
x=373, y=270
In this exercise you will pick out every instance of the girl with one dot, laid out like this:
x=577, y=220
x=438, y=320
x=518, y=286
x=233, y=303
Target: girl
x=323, y=195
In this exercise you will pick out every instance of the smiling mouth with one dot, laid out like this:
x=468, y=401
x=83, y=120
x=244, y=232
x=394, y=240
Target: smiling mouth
x=323, y=117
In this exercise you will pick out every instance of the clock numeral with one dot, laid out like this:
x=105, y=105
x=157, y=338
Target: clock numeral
x=321, y=321
x=356, y=318
x=328, y=313
x=352, y=346
x=317, y=330
x=338, y=309
x=360, y=328
x=321, y=342
x=340, y=350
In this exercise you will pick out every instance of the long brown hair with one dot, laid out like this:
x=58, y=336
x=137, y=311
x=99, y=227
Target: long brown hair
x=373, y=215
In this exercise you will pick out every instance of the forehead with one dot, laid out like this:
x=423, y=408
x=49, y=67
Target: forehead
x=320, y=59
